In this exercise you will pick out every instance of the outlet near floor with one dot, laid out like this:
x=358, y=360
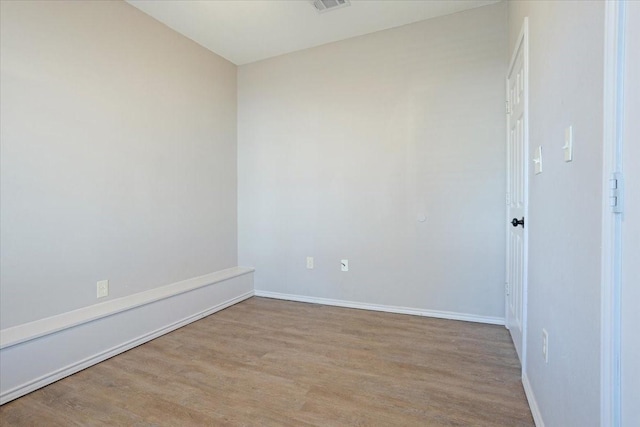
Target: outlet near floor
x=103, y=288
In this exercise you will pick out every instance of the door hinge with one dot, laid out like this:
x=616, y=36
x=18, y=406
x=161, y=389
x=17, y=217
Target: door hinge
x=506, y=104
x=616, y=192
x=506, y=288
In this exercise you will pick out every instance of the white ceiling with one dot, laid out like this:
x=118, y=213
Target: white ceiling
x=244, y=31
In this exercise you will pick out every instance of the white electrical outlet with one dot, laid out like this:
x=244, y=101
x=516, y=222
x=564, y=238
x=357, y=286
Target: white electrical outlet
x=344, y=265
x=545, y=345
x=103, y=288
x=310, y=262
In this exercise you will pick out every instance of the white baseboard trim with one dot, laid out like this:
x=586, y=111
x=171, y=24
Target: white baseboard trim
x=41, y=360
x=386, y=308
x=533, y=404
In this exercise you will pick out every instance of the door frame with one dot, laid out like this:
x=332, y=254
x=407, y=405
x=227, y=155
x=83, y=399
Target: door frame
x=611, y=254
x=521, y=42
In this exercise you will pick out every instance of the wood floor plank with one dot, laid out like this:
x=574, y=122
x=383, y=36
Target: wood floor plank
x=278, y=363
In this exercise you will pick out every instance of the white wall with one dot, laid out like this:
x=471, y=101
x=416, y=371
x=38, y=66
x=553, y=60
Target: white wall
x=118, y=156
x=631, y=226
x=566, y=88
x=344, y=146
x=118, y=145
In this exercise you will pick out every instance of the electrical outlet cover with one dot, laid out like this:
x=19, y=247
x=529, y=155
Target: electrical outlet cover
x=102, y=288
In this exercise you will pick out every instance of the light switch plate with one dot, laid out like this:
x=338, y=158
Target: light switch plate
x=537, y=160
x=344, y=265
x=568, y=144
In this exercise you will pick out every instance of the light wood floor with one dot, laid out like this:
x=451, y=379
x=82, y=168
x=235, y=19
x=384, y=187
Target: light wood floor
x=277, y=363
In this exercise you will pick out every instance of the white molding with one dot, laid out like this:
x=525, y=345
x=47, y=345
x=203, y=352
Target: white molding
x=533, y=404
x=610, y=385
x=525, y=274
x=386, y=308
x=113, y=351
x=39, y=328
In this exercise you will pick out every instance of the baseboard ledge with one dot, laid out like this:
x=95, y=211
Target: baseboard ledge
x=37, y=361
x=533, y=403
x=385, y=308
x=39, y=328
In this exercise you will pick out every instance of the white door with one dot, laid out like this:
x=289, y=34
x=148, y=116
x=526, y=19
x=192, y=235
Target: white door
x=630, y=226
x=517, y=154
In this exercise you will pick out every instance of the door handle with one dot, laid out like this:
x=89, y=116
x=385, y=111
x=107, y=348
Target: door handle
x=516, y=222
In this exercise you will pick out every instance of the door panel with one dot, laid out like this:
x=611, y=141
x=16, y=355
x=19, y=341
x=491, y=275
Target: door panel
x=517, y=149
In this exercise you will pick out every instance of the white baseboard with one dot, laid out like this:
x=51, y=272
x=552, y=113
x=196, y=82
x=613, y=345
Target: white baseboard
x=386, y=308
x=34, y=356
x=533, y=404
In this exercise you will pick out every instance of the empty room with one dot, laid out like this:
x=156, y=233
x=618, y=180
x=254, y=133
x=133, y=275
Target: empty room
x=319, y=213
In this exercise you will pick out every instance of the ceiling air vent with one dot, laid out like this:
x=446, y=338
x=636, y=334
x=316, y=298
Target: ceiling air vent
x=326, y=5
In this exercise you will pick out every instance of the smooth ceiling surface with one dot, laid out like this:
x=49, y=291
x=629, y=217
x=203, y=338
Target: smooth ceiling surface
x=245, y=31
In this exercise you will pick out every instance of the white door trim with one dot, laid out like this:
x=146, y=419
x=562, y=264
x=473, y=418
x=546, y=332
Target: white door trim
x=522, y=42
x=610, y=397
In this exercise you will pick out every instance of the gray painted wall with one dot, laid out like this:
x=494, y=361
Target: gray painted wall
x=344, y=147
x=565, y=206
x=119, y=162
x=118, y=156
